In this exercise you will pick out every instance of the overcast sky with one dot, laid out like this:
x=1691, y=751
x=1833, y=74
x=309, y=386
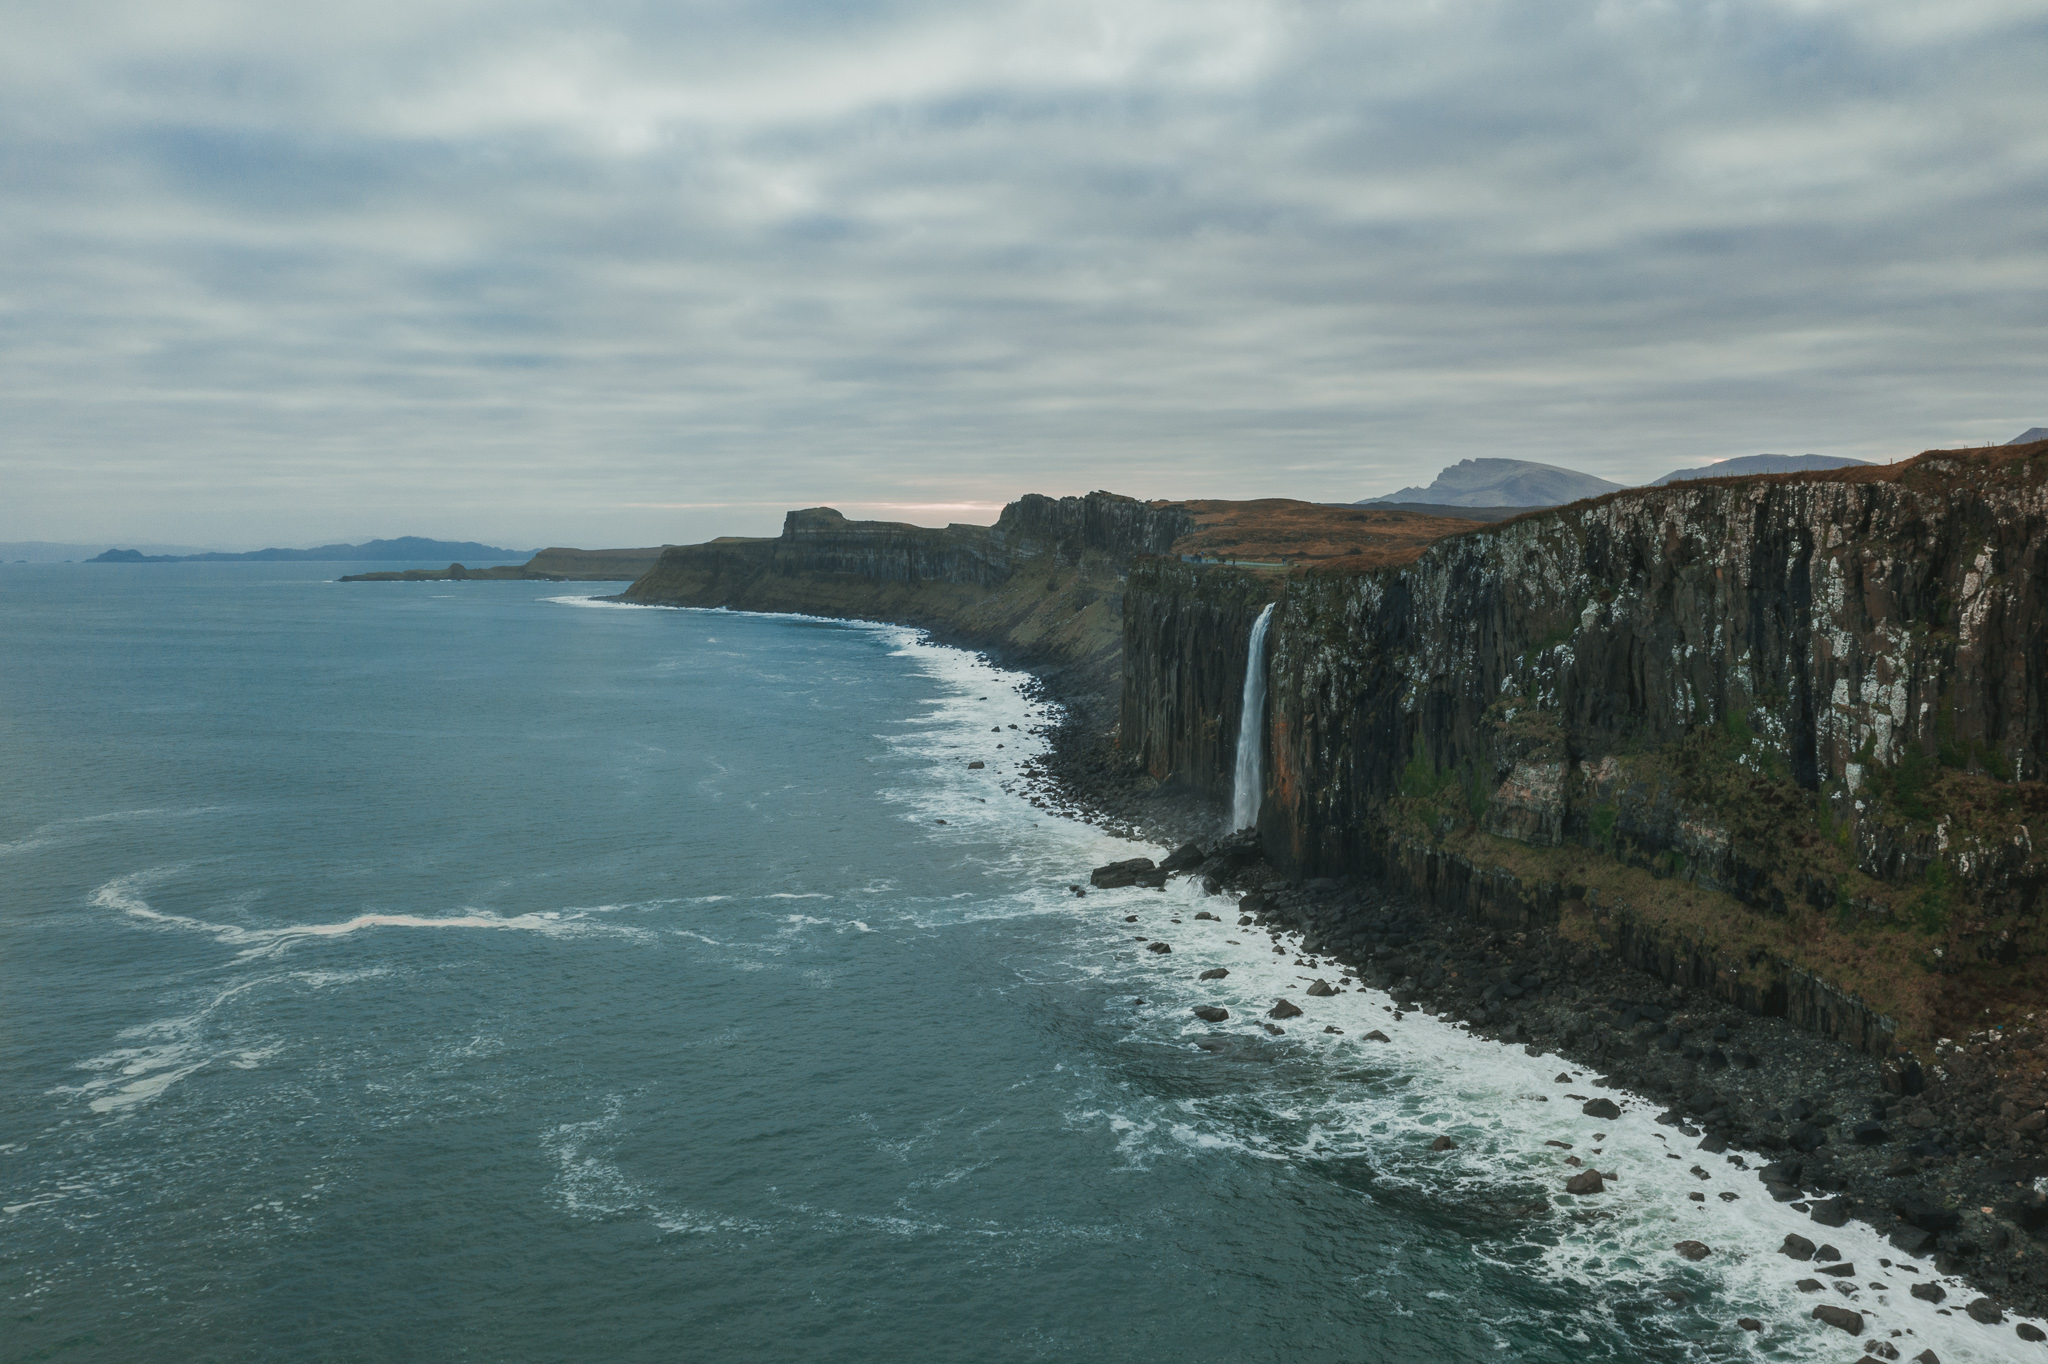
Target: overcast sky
x=624, y=273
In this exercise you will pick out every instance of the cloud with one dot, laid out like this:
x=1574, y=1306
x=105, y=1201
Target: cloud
x=604, y=274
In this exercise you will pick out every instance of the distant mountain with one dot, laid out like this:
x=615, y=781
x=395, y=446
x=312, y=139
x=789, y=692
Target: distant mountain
x=70, y=552
x=1501, y=483
x=2030, y=435
x=404, y=547
x=1744, y=465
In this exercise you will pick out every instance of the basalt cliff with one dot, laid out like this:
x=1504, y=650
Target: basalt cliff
x=1042, y=588
x=1778, y=738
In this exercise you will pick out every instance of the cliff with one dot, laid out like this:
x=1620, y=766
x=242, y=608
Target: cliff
x=1779, y=737
x=557, y=565
x=1042, y=587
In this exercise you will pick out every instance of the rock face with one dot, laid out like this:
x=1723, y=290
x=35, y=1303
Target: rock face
x=1186, y=636
x=1045, y=583
x=1748, y=700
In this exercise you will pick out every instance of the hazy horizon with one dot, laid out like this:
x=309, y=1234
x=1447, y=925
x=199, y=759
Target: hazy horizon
x=606, y=276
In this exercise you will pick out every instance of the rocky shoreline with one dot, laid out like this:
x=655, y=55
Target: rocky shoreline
x=1842, y=1134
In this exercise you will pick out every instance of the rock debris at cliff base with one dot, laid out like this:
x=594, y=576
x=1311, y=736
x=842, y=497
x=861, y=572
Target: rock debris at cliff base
x=1840, y=1138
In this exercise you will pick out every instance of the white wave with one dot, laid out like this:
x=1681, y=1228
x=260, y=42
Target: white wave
x=123, y=894
x=54, y=832
x=590, y=1186
x=600, y=602
x=1383, y=1102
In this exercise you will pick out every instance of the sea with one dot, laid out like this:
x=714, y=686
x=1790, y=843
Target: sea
x=443, y=971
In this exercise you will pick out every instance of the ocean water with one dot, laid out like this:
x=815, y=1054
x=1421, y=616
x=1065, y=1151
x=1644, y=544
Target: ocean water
x=444, y=971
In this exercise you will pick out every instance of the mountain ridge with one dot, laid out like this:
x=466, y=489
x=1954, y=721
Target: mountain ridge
x=403, y=547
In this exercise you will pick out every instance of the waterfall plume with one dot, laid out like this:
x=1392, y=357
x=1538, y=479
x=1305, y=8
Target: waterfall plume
x=1251, y=739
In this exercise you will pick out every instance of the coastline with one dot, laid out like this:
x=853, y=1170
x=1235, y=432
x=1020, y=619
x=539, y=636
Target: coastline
x=1828, y=1129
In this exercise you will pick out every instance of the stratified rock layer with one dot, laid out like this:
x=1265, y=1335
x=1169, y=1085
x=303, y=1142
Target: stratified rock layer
x=1778, y=737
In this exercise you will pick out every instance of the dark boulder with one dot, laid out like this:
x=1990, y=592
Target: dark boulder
x=1212, y=1013
x=1126, y=873
x=1749, y=1323
x=1322, y=989
x=1832, y=1212
x=2030, y=1332
x=1925, y=1213
x=1780, y=1172
x=1214, y=973
x=1157, y=947
x=1841, y=1271
x=1181, y=858
x=1986, y=1311
x=1869, y=1133
x=1929, y=1292
x=1797, y=1246
x=1283, y=1009
x=1602, y=1108
x=1588, y=1182
x=1692, y=1250
x=1841, y=1318
x=1375, y=1036
x=1912, y=1240
x=1443, y=1144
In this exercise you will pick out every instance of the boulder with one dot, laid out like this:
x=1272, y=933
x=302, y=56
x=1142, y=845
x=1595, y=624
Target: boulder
x=1809, y=1285
x=1692, y=1250
x=1832, y=1212
x=1927, y=1357
x=1601, y=1108
x=1781, y=1172
x=1443, y=1144
x=1212, y=1013
x=1912, y=1240
x=1116, y=875
x=1797, y=1246
x=1749, y=1323
x=1183, y=857
x=1375, y=1036
x=976, y=765
x=1322, y=989
x=1925, y=1213
x=1587, y=1183
x=1929, y=1292
x=1841, y=1271
x=1985, y=1310
x=1157, y=947
x=1214, y=973
x=1283, y=1009
x=2030, y=1332
x=1869, y=1133
x=1841, y=1318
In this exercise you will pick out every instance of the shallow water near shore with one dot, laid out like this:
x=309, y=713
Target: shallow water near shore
x=424, y=971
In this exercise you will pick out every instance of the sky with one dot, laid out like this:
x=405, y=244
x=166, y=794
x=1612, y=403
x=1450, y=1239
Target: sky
x=621, y=273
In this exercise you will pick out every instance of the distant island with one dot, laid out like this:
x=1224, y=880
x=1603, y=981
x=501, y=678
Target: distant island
x=404, y=547
x=556, y=565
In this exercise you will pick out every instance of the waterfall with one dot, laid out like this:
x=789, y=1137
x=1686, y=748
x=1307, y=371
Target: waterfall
x=1251, y=727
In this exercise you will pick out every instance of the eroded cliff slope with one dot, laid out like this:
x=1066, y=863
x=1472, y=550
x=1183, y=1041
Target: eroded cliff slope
x=1042, y=587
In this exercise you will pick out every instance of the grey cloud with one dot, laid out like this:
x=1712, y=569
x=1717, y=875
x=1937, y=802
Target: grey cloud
x=568, y=273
